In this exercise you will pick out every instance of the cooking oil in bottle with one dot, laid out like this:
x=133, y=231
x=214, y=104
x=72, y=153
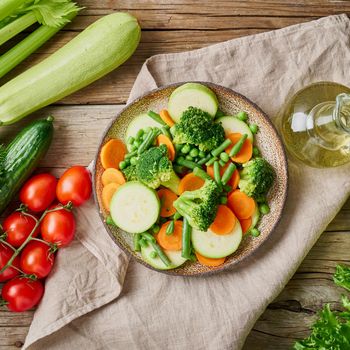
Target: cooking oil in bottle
x=315, y=125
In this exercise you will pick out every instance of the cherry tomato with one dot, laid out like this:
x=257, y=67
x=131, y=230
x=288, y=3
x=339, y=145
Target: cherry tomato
x=18, y=226
x=39, y=192
x=5, y=255
x=22, y=293
x=74, y=186
x=36, y=258
x=58, y=227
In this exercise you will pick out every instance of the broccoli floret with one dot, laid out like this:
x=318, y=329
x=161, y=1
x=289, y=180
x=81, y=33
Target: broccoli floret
x=256, y=178
x=154, y=169
x=197, y=127
x=199, y=207
x=130, y=173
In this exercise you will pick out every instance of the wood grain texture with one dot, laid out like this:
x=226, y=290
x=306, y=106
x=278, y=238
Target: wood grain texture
x=175, y=26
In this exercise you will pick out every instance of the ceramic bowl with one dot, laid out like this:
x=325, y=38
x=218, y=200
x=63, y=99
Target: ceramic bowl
x=267, y=139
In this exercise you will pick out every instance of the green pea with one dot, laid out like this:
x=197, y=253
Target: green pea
x=194, y=152
x=137, y=143
x=122, y=165
x=139, y=134
x=178, y=147
x=224, y=157
x=255, y=232
x=253, y=128
x=155, y=228
x=264, y=208
x=188, y=157
x=223, y=200
x=133, y=161
x=153, y=254
x=134, y=148
x=242, y=116
x=130, y=140
x=256, y=151
x=127, y=161
x=201, y=154
x=185, y=149
x=180, y=159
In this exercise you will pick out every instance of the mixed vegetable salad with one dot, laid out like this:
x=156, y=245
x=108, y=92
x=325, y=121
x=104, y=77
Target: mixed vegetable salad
x=189, y=183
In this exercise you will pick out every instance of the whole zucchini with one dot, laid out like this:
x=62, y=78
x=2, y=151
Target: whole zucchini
x=22, y=156
x=93, y=53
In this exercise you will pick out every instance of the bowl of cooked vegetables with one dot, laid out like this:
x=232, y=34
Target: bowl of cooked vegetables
x=190, y=179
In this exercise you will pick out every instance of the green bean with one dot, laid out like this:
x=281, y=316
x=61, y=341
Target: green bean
x=186, y=239
x=170, y=228
x=122, y=165
x=137, y=143
x=129, y=147
x=255, y=232
x=193, y=257
x=148, y=237
x=242, y=116
x=179, y=169
x=133, y=160
x=147, y=130
x=109, y=221
x=224, y=157
x=186, y=163
x=238, y=146
x=256, y=151
x=143, y=243
x=166, y=132
x=221, y=148
x=178, y=148
x=254, y=128
x=194, y=152
x=130, y=155
x=139, y=134
x=228, y=173
x=153, y=254
x=217, y=176
x=201, y=173
x=137, y=237
x=177, y=216
x=186, y=149
x=223, y=200
x=201, y=154
x=155, y=116
x=211, y=161
x=131, y=140
x=147, y=142
x=222, y=163
x=205, y=159
x=188, y=157
x=161, y=254
x=264, y=208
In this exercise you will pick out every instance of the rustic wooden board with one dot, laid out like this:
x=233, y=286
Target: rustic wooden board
x=175, y=27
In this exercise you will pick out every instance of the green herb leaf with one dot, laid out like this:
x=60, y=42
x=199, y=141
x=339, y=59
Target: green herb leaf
x=342, y=276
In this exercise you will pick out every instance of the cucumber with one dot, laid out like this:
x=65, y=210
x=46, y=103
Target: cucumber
x=142, y=121
x=135, y=207
x=101, y=47
x=192, y=95
x=173, y=255
x=232, y=124
x=22, y=156
x=216, y=246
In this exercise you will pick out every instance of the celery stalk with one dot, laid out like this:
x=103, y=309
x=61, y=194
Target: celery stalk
x=9, y=6
x=17, y=26
x=27, y=46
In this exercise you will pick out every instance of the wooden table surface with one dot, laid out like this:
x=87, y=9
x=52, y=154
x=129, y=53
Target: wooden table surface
x=173, y=26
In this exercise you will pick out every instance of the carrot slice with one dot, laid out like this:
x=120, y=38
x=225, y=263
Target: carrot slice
x=112, y=153
x=107, y=194
x=234, y=179
x=190, y=182
x=242, y=205
x=224, y=221
x=112, y=175
x=209, y=261
x=164, y=114
x=164, y=140
x=245, y=224
x=173, y=241
x=167, y=198
x=246, y=151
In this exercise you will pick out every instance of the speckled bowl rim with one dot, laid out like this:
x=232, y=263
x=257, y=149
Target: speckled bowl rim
x=224, y=267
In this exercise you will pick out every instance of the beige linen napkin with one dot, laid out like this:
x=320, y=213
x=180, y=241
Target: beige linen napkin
x=92, y=302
